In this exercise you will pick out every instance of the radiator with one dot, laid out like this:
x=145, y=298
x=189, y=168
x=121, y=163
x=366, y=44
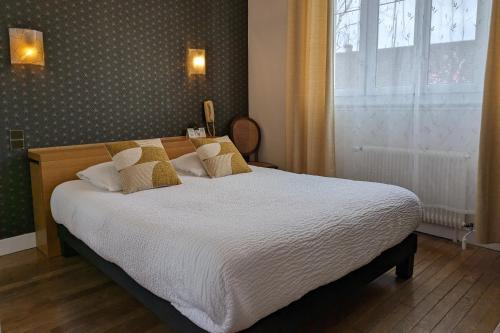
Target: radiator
x=440, y=179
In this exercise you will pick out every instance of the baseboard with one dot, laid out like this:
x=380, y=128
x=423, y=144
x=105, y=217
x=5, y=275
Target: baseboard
x=18, y=243
x=452, y=234
x=441, y=231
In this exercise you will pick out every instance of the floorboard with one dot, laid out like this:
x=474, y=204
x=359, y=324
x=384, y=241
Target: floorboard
x=451, y=291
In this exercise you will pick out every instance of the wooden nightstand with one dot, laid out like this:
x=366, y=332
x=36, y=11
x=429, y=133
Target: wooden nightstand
x=263, y=165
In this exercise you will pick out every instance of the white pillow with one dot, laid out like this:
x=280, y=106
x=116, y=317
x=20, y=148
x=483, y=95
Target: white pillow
x=103, y=176
x=190, y=164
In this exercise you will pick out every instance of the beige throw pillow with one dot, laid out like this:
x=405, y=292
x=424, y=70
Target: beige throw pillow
x=220, y=157
x=142, y=165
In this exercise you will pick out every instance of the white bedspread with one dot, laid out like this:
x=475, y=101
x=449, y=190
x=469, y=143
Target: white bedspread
x=227, y=252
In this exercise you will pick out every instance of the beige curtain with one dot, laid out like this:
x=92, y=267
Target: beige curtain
x=309, y=113
x=488, y=204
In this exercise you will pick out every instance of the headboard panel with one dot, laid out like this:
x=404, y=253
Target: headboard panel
x=52, y=166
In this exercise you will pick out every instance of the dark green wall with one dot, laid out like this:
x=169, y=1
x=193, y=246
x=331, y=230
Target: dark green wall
x=115, y=69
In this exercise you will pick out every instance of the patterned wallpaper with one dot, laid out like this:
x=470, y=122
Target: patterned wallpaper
x=115, y=69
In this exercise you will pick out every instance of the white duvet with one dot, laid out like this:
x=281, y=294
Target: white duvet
x=227, y=252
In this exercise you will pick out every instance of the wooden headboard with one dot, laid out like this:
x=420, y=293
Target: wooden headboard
x=52, y=166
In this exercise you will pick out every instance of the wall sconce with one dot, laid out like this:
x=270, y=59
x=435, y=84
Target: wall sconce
x=26, y=47
x=196, y=62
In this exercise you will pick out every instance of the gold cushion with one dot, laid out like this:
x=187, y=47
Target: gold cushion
x=220, y=157
x=142, y=165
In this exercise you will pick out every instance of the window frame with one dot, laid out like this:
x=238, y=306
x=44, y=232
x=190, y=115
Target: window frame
x=368, y=48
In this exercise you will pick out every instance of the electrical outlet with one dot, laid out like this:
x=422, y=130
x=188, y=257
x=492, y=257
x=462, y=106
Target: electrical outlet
x=16, y=138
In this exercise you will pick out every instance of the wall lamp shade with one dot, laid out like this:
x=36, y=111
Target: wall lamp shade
x=26, y=47
x=196, y=62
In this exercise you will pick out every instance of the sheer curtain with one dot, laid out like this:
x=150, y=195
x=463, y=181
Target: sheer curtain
x=409, y=78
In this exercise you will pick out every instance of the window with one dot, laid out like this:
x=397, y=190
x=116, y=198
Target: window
x=395, y=42
x=396, y=23
x=431, y=42
x=347, y=43
x=453, y=31
x=347, y=26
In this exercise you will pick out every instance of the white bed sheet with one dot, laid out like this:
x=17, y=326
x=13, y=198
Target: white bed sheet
x=227, y=252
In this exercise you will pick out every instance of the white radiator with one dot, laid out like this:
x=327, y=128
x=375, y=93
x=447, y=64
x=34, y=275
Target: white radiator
x=438, y=178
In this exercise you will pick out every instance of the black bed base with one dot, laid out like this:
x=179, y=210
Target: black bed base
x=401, y=256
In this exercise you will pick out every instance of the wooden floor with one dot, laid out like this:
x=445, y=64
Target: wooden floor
x=451, y=291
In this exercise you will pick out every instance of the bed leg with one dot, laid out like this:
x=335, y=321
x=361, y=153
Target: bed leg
x=404, y=270
x=67, y=251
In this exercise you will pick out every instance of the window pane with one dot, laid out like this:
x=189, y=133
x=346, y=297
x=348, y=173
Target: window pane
x=396, y=25
x=395, y=67
x=348, y=71
x=453, y=20
x=451, y=63
x=346, y=5
x=347, y=39
x=347, y=31
x=395, y=43
x=453, y=46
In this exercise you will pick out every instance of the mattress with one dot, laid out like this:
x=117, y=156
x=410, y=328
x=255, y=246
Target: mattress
x=227, y=252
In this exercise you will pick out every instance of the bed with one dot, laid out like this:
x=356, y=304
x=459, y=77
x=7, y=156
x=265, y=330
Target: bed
x=228, y=252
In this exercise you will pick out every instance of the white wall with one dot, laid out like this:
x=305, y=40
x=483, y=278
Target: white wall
x=267, y=46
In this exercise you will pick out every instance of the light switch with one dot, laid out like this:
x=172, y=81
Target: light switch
x=16, y=139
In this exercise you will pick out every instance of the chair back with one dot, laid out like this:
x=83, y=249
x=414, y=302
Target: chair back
x=245, y=133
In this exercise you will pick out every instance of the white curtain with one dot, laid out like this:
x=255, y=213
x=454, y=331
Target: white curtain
x=409, y=78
